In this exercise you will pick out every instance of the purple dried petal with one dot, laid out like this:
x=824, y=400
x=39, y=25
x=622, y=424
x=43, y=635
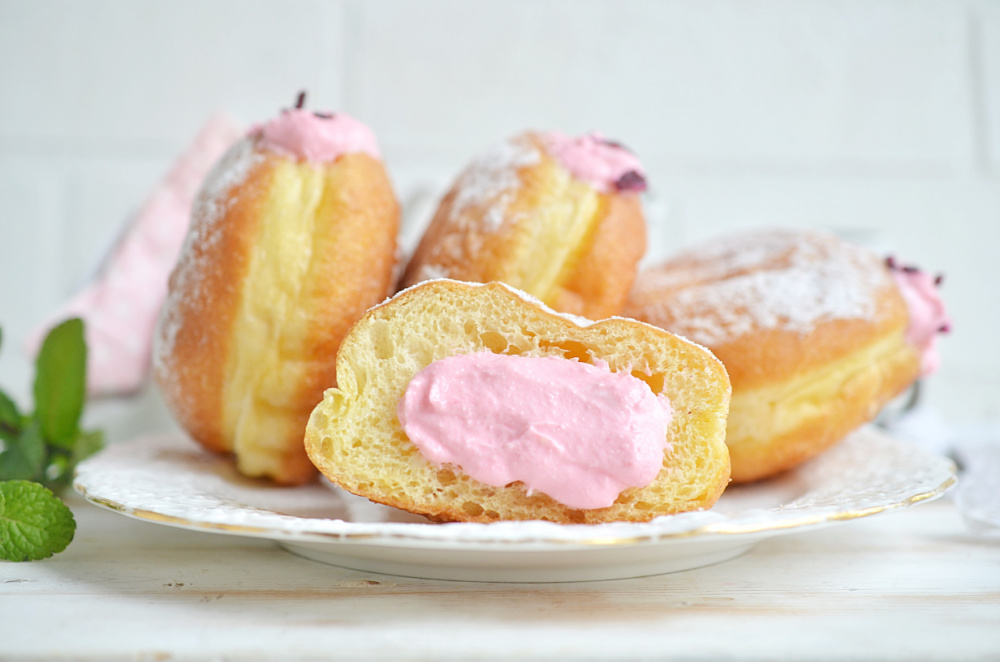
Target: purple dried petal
x=300, y=101
x=890, y=261
x=944, y=328
x=324, y=116
x=615, y=144
x=631, y=181
x=939, y=279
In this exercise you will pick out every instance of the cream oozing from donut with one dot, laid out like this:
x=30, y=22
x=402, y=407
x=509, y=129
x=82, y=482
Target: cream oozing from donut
x=577, y=432
x=604, y=164
x=928, y=316
x=316, y=137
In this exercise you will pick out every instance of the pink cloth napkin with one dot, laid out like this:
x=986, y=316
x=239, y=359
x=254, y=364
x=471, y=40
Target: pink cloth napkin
x=121, y=305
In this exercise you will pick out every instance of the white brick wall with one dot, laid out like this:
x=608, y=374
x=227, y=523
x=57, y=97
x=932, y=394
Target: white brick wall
x=985, y=48
x=873, y=117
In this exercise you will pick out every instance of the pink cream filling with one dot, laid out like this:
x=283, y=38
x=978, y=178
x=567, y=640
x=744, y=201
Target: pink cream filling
x=928, y=316
x=574, y=431
x=604, y=164
x=317, y=138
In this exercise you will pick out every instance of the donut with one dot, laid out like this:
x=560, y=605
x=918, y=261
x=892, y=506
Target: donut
x=292, y=238
x=554, y=216
x=476, y=402
x=817, y=335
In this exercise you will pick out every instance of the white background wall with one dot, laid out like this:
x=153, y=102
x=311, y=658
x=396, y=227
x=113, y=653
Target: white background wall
x=876, y=118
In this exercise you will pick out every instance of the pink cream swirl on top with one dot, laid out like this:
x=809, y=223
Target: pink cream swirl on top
x=928, y=316
x=606, y=165
x=577, y=432
x=316, y=137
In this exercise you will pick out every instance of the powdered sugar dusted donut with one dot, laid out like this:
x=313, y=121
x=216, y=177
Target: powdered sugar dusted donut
x=555, y=216
x=814, y=331
x=293, y=237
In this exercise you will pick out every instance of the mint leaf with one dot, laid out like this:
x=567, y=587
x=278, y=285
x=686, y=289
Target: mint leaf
x=60, y=383
x=34, y=523
x=10, y=417
x=24, y=455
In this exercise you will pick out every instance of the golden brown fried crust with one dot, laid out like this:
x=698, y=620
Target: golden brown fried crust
x=351, y=269
x=205, y=291
x=597, y=284
x=762, y=355
x=857, y=401
x=353, y=262
x=770, y=356
x=854, y=366
x=445, y=246
x=472, y=246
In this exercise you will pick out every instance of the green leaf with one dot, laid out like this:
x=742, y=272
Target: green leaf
x=34, y=523
x=10, y=417
x=24, y=456
x=60, y=383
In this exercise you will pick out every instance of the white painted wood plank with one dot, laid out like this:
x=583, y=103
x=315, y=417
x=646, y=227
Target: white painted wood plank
x=899, y=586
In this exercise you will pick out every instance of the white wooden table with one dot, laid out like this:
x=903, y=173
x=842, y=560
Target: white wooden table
x=908, y=585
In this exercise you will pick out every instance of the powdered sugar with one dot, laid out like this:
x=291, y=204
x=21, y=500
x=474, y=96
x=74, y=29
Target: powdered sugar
x=491, y=181
x=521, y=294
x=232, y=170
x=432, y=272
x=782, y=280
x=209, y=208
x=578, y=320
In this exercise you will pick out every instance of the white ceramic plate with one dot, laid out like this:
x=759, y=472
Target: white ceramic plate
x=172, y=481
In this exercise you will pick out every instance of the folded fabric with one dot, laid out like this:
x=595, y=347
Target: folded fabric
x=121, y=304
x=974, y=445
x=977, y=450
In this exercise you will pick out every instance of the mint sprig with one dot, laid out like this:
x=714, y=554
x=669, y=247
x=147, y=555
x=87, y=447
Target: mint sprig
x=34, y=523
x=40, y=452
x=46, y=446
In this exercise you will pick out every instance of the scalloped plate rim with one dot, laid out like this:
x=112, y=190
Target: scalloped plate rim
x=424, y=536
